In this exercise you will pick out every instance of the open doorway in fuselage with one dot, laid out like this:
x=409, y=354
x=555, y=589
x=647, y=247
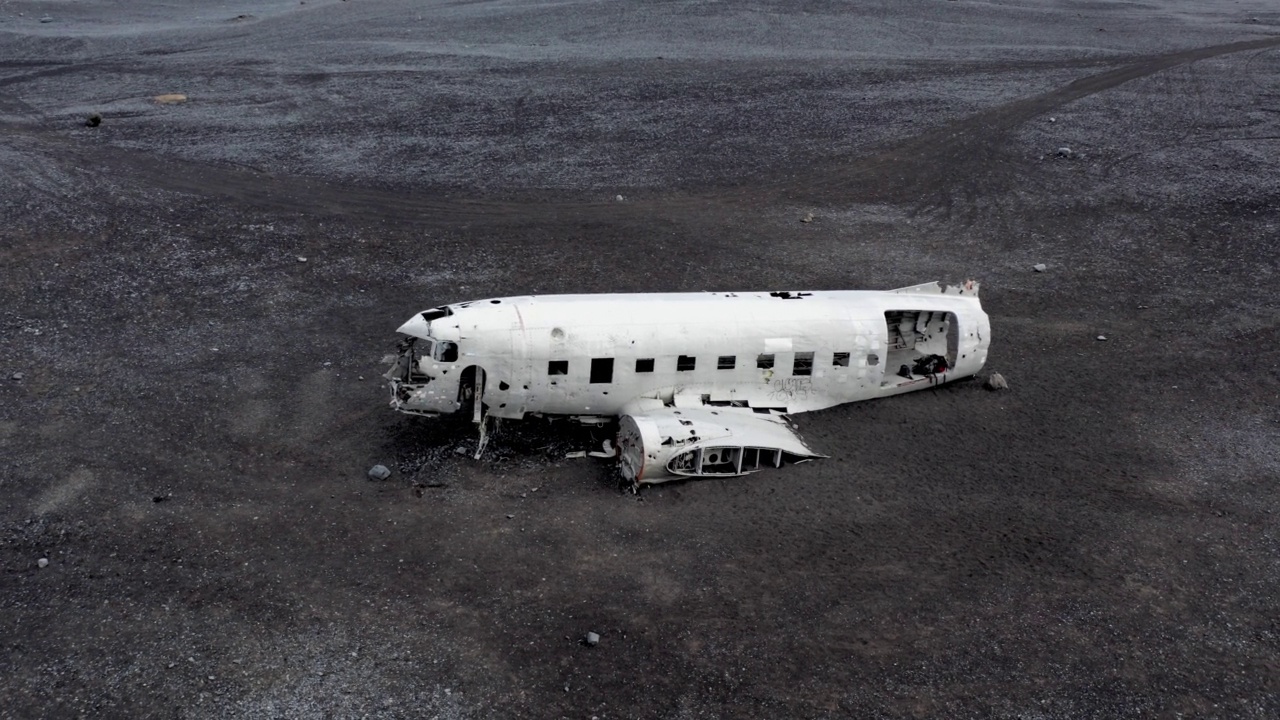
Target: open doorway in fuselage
x=471, y=391
x=922, y=345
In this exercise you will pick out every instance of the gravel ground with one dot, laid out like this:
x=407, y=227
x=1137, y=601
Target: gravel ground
x=196, y=297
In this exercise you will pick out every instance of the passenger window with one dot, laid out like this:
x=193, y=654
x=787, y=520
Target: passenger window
x=685, y=363
x=601, y=370
x=558, y=367
x=803, y=364
x=644, y=365
x=727, y=362
x=840, y=359
x=765, y=361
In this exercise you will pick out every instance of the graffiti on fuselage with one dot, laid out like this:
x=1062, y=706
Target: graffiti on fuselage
x=791, y=388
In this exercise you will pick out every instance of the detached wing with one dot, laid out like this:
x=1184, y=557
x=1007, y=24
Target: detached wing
x=672, y=443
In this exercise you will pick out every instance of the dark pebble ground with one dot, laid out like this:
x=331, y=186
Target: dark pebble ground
x=188, y=410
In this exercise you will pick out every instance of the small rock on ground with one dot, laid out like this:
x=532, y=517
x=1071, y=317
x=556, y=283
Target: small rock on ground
x=1102, y=337
x=1039, y=267
x=379, y=472
x=592, y=639
x=996, y=381
x=43, y=562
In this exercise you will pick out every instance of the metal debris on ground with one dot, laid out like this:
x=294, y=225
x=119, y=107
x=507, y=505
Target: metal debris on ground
x=608, y=450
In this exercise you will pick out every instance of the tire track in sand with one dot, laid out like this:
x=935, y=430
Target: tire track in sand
x=927, y=165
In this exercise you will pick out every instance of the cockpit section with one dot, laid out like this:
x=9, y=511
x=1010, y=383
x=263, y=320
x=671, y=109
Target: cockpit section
x=423, y=377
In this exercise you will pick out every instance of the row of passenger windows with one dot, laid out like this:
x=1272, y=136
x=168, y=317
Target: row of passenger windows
x=602, y=368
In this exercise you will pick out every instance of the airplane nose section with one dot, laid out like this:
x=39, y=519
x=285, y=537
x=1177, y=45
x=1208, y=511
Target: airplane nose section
x=416, y=326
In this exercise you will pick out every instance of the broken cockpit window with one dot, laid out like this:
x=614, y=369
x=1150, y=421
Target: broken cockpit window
x=764, y=361
x=840, y=359
x=445, y=351
x=436, y=313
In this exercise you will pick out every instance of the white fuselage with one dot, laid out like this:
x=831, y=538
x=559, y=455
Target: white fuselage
x=600, y=356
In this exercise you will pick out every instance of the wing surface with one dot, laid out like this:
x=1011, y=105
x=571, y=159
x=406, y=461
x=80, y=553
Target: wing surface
x=670, y=443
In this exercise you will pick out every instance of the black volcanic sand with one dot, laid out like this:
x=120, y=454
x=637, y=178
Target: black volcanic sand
x=196, y=299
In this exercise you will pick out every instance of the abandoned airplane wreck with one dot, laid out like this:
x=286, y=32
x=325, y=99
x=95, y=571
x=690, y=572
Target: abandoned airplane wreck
x=700, y=383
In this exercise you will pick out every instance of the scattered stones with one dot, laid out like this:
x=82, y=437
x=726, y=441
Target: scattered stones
x=46, y=19
x=808, y=218
x=301, y=259
x=18, y=376
x=1102, y=338
x=591, y=640
x=460, y=450
x=618, y=198
x=159, y=498
x=996, y=381
x=1065, y=152
x=170, y=98
x=511, y=517
x=1039, y=267
x=93, y=120
x=42, y=563
x=379, y=472
x=1053, y=119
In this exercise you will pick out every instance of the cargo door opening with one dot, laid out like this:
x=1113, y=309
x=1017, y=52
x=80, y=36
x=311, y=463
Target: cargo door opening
x=922, y=345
